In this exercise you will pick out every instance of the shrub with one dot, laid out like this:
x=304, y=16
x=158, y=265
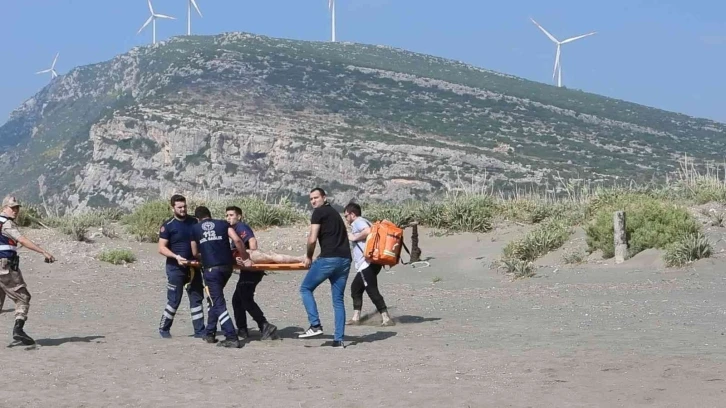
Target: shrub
x=687, y=249
x=471, y=213
x=29, y=216
x=144, y=223
x=547, y=237
x=76, y=226
x=650, y=223
x=573, y=257
x=117, y=256
x=520, y=268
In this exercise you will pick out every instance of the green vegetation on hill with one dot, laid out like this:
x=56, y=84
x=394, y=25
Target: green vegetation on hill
x=526, y=131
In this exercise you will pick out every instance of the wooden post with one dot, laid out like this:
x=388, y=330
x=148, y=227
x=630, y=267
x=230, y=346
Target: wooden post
x=415, y=250
x=621, y=239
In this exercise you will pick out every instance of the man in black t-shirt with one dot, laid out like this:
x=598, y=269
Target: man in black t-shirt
x=333, y=264
x=174, y=244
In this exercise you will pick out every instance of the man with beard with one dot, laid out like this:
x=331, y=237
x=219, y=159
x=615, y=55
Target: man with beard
x=175, y=237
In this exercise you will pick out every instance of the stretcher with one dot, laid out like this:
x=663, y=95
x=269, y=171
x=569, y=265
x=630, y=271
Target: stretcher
x=264, y=267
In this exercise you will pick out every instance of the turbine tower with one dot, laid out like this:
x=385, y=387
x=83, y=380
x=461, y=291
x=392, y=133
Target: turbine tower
x=331, y=6
x=191, y=3
x=152, y=20
x=558, y=65
x=53, y=74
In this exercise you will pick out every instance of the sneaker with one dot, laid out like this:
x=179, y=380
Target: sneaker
x=165, y=334
x=229, y=342
x=210, y=338
x=312, y=331
x=269, y=331
x=338, y=344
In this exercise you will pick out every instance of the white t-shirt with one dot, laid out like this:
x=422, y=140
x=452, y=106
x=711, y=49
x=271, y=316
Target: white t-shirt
x=357, y=247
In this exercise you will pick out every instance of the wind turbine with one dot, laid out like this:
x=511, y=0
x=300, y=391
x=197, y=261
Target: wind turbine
x=331, y=6
x=558, y=66
x=53, y=74
x=191, y=3
x=152, y=20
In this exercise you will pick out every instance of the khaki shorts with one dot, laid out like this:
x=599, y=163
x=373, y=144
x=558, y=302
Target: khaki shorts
x=10, y=279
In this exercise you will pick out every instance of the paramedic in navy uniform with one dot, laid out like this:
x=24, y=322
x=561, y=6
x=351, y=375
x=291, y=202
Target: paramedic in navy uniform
x=210, y=240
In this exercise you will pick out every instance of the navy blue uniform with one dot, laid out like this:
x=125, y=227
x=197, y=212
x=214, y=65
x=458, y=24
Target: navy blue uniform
x=243, y=300
x=217, y=262
x=178, y=233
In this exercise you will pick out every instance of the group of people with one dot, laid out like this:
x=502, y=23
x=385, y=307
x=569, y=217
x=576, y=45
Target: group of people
x=220, y=244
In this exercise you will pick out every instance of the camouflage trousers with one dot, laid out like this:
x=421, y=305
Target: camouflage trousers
x=12, y=285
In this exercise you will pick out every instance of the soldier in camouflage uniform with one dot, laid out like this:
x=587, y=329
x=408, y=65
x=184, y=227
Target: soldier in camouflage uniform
x=12, y=283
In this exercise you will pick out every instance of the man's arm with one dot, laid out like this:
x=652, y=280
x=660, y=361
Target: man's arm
x=11, y=231
x=361, y=236
x=312, y=240
x=31, y=245
x=252, y=244
x=238, y=244
x=195, y=250
x=164, y=250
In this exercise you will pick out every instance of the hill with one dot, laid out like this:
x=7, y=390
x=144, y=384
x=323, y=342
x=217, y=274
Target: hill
x=238, y=113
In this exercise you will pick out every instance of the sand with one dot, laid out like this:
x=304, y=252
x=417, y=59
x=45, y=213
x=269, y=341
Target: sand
x=590, y=335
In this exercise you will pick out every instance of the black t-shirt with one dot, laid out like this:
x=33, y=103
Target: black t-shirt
x=179, y=234
x=333, y=236
x=213, y=243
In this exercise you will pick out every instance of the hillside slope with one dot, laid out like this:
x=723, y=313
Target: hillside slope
x=238, y=113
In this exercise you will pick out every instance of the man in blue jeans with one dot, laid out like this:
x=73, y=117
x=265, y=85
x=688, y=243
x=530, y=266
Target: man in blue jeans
x=333, y=264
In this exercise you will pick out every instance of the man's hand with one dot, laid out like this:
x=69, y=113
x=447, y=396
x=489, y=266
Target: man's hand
x=181, y=260
x=351, y=236
x=244, y=262
x=307, y=262
x=48, y=257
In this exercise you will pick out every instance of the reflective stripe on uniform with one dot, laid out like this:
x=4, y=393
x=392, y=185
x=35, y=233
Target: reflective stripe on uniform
x=8, y=248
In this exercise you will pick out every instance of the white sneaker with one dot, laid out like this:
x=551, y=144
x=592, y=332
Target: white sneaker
x=312, y=331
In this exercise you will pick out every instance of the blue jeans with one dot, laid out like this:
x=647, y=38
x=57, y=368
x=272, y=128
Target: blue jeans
x=336, y=271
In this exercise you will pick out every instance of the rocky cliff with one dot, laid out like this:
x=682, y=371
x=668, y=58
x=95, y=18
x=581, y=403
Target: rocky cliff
x=236, y=114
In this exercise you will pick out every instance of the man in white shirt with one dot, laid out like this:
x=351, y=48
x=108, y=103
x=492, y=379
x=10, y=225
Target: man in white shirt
x=366, y=278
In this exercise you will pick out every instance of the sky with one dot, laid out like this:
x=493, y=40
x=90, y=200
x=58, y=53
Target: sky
x=669, y=54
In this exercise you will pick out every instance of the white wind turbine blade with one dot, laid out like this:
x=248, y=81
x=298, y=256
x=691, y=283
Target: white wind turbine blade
x=53, y=74
x=330, y=4
x=545, y=31
x=43, y=71
x=194, y=3
x=145, y=24
x=151, y=8
x=54, y=60
x=164, y=16
x=578, y=37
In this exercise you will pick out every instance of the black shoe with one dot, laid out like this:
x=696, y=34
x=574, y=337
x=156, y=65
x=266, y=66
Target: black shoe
x=230, y=342
x=269, y=331
x=338, y=344
x=210, y=338
x=20, y=335
x=243, y=334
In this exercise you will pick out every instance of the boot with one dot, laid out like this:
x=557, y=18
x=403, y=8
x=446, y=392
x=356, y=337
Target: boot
x=230, y=342
x=269, y=331
x=20, y=335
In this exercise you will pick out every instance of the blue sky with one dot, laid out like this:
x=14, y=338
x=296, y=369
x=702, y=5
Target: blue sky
x=669, y=54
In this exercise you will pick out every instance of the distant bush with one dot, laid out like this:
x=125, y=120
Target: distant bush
x=471, y=213
x=77, y=226
x=688, y=248
x=144, y=223
x=117, y=256
x=650, y=223
x=29, y=216
x=547, y=237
